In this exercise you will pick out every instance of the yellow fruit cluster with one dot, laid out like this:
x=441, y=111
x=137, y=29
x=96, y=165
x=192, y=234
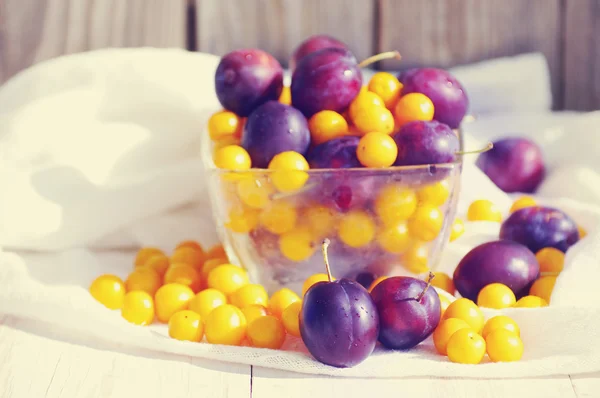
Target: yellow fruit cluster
x=200, y=296
x=401, y=221
x=465, y=336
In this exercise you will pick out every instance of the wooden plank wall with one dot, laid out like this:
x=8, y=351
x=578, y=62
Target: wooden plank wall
x=427, y=32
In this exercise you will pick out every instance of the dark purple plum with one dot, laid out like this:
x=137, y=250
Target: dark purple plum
x=312, y=44
x=338, y=153
x=274, y=128
x=423, y=143
x=364, y=278
x=246, y=79
x=339, y=323
x=326, y=79
x=503, y=261
x=539, y=227
x=406, y=74
x=447, y=94
x=409, y=311
x=514, y=165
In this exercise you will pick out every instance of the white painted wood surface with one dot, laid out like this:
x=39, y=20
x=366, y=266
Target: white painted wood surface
x=37, y=360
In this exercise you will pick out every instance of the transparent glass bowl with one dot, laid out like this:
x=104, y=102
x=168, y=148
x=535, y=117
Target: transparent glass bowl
x=384, y=221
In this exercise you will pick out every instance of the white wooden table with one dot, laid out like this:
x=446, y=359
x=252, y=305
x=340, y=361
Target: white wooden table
x=38, y=360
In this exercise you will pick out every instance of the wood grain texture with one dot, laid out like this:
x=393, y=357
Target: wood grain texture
x=35, y=30
x=453, y=32
x=278, y=26
x=37, y=360
x=266, y=383
x=582, y=54
x=586, y=386
x=41, y=361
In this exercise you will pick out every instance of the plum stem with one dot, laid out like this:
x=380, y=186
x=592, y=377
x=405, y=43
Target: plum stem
x=429, y=279
x=379, y=57
x=481, y=150
x=326, y=243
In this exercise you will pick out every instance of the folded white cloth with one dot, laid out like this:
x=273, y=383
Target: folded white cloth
x=101, y=151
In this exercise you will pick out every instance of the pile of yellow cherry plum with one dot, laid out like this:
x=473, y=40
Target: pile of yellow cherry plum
x=201, y=296
x=369, y=165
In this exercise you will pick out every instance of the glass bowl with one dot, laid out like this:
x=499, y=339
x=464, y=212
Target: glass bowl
x=384, y=222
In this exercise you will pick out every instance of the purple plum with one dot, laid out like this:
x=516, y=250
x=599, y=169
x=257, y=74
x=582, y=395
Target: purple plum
x=337, y=153
x=423, y=143
x=364, y=278
x=274, y=128
x=503, y=261
x=326, y=79
x=447, y=94
x=312, y=44
x=538, y=227
x=339, y=323
x=409, y=311
x=514, y=165
x=246, y=79
x=406, y=74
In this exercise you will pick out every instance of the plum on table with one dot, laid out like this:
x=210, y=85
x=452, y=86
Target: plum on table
x=246, y=79
x=409, y=311
x=539, y=227
x=514, y=165
x=274, y=128
x=339, y=323
x=503, y=261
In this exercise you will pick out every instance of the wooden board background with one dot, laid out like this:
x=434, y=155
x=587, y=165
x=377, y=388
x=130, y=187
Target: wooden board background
x=427, y=32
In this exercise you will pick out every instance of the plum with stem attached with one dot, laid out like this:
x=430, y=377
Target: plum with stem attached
x=339, y=323
x=409, y=311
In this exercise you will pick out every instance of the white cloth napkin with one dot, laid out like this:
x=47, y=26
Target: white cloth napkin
x=101, y=151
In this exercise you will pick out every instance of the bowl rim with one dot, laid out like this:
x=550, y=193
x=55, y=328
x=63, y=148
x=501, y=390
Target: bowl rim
x=363, y=170
x=206, y=146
